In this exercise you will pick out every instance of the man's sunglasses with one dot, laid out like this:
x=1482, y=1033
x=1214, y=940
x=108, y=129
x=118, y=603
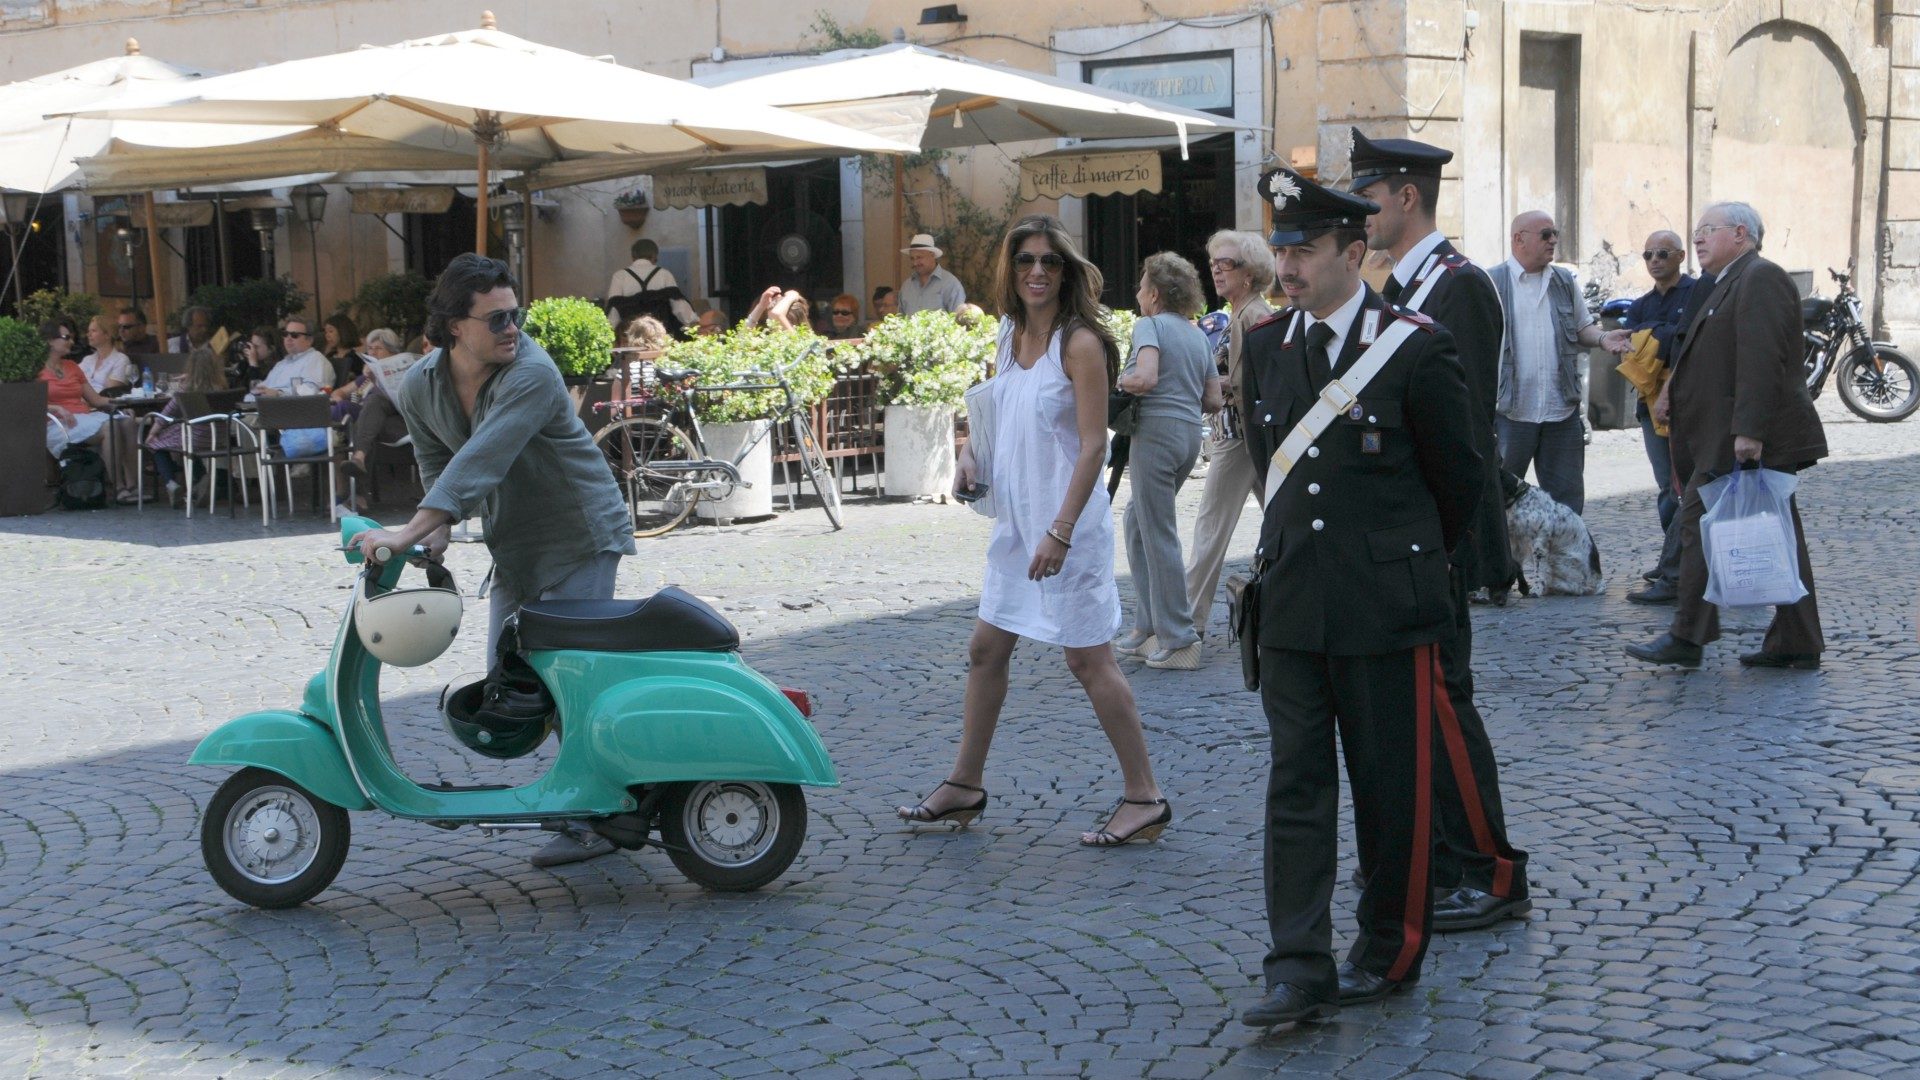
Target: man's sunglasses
x=1545, y=234
x=1051, y=262
x=296, y=333
x=499, y=321
x=127, y=325
x=1659, y=253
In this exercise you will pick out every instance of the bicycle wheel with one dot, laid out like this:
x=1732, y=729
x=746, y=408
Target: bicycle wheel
x=814, y=462
x=656, y=500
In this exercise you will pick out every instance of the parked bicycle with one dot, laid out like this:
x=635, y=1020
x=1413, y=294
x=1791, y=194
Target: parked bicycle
x=1877, y=381
x=660, y=458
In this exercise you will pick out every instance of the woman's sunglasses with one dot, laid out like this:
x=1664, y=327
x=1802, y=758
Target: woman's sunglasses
x=1051, y=262
x=499, y=321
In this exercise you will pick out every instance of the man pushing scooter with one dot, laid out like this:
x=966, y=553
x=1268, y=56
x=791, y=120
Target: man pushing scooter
x=494, y=431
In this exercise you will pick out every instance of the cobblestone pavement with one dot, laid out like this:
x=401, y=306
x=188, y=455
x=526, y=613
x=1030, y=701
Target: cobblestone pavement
x=1725, y=859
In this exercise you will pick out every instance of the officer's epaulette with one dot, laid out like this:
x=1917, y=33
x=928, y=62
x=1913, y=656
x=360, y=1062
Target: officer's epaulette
x=1282, y=315
x=1455, y=261
x=1414, y=317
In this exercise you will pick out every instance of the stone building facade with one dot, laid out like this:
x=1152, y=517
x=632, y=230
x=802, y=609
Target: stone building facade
x=1619, y=117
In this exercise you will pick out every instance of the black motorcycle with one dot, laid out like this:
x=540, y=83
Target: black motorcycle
x=1877, y=381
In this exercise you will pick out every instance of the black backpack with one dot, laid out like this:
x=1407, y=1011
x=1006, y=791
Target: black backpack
x=83, y=479
x=655, y=302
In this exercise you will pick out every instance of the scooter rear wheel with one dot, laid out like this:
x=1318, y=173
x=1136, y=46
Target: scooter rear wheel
x=734, y=835
x=271, y=843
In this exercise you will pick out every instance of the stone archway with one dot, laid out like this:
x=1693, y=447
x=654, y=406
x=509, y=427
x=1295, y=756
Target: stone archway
x=1786, y=138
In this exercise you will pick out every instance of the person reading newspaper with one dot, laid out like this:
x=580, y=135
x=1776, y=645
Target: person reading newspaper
x=379, y=423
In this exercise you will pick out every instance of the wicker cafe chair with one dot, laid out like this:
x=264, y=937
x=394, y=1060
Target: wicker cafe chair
x=294, y=413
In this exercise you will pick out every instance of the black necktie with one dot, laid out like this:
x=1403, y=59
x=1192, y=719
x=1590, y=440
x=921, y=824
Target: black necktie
x=1391, y=290
x=1319, y=368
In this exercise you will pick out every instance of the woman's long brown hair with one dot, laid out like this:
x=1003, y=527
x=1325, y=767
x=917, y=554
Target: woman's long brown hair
x=1080, y=284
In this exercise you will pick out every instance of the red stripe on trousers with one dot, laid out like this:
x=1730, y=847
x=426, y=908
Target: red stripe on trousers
x=1469, y=789
x=1413, y=922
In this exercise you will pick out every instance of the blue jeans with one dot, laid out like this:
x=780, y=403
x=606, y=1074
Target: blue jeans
x=1556, y=450
x=1660, y=456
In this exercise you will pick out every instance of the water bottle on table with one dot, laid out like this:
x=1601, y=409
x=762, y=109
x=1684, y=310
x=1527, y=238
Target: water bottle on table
x=146, y=382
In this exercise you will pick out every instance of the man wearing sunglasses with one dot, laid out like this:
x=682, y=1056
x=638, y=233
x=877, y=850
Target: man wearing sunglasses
x=1658, y=311
x=301, y=364
x=1542, y=384
x=495, y=434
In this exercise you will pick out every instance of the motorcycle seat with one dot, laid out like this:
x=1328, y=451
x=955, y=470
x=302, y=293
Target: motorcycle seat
x=669, y=620
x=1814, y=309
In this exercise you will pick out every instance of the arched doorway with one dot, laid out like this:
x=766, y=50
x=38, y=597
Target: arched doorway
x=1790, y=146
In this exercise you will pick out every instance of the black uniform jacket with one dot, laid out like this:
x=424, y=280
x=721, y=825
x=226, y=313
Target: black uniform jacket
x=1354, y=545
x=1465, y=302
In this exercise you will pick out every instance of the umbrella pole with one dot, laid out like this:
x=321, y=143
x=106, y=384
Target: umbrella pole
x=480, y=205
x=156, y=267
x=899, y=220
x=526, y=245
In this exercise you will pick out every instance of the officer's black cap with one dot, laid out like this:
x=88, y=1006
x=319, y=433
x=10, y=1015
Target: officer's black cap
x=1374, y=160
x=1302, y=209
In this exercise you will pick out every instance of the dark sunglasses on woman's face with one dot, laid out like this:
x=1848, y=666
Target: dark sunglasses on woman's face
x=843, y=311
x=1051, y=262
x=499, y=321
x=1658, y=253
x=1227, y=264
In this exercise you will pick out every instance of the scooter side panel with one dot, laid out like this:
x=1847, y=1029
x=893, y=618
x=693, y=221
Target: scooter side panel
x=297, y=747
x=662, y=717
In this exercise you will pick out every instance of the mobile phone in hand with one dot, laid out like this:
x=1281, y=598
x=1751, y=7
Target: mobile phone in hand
x=972, y=493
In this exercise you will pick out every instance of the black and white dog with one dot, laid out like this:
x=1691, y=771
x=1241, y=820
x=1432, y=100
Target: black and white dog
x=1550, y=541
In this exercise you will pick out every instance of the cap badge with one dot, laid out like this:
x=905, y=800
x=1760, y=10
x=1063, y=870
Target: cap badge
x=1284, y=190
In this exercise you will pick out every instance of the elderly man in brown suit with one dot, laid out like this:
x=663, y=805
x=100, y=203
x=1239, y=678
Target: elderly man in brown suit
x=1738, y=392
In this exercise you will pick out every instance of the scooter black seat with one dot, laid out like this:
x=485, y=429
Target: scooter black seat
x=669, y=620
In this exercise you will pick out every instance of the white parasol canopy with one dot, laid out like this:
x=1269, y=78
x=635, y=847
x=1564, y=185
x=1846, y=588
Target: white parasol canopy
x=521, y=104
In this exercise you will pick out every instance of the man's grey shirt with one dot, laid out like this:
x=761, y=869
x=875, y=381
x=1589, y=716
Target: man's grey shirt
x=525, y=462
x=942, y=291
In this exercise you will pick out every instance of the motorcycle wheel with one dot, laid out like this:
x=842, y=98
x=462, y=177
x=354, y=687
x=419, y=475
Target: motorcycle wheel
x=271, y=843
x=1881, y=392
x=734, y=835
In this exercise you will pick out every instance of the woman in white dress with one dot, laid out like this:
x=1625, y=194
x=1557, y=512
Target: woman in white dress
x=1050, y=558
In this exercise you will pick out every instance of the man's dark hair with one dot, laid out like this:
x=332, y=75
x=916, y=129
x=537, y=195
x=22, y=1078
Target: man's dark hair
x=644, y=248
x=1345, y=237
x=880, y=293
x=136, y=313
x=1427, y=187
x=452, y=295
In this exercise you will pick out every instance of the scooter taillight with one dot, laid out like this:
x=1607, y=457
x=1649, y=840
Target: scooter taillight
x=800, y=700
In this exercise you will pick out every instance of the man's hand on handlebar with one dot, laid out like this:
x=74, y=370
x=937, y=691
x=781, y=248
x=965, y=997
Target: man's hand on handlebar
x=430, y=529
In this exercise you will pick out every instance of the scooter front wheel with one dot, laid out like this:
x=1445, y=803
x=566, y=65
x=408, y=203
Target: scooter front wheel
x=271, y=843
x=734, y=835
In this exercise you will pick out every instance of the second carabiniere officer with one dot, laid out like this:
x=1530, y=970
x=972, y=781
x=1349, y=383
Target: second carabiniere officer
x=1359, y=426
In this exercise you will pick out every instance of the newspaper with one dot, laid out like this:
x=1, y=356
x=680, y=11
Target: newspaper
x=388, y=371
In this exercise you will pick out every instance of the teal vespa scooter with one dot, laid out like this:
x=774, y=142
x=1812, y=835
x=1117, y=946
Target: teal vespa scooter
x=666, y=738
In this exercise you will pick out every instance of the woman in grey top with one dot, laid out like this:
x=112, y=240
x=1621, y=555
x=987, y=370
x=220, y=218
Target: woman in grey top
x=1172, y=370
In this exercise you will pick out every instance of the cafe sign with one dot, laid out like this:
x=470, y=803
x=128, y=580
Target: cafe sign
x=709, y=187
x=182, y=215
x=1203, y=83
x=424, y=199
x=1082, y=173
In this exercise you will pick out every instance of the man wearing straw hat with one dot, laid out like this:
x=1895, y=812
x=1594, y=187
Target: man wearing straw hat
x=929, y=286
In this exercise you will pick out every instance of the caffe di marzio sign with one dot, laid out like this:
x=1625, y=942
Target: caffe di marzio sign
x=1091, y=172
x=709, y=187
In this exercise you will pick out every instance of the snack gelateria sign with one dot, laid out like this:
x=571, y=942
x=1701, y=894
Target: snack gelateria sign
x=709, y=187
x=1079, y=172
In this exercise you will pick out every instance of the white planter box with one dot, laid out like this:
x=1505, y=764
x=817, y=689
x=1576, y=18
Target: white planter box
x=919, y=450
x=723, y=442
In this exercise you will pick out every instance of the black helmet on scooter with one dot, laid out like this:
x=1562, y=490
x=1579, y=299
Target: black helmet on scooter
x=506, y=715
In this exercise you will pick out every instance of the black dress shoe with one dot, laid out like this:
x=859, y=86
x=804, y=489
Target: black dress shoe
x=1471, y=909
x=1288, y=1004
x=1651, y=575
x=1667, y=649
x=1359, y=986
x=1796, y=661
x=1659, y=592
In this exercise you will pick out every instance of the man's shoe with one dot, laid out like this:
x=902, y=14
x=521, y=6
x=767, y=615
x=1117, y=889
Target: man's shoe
x=572, y=847
x=1288, y=1004
x=1358, y=986
x=1471, y=909
x=1667, y=649
x=1651, y=575
x=1660, y=592
x=1795, y=660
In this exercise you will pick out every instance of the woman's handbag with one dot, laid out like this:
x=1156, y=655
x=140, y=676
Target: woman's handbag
x=1123, y=412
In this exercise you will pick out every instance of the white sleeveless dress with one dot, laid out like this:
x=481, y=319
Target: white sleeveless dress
x=1036, y=439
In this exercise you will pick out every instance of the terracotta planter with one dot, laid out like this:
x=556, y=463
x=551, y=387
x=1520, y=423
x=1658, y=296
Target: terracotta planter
x=633, y=216
x=23, y=448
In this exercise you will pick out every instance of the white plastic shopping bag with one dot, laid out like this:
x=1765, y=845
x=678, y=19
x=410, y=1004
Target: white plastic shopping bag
x=1748, y=538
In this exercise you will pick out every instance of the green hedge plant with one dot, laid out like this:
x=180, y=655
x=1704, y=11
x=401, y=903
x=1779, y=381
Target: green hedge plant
x=43, y=304
x=574, y=332
x=929, y=357
x=397, y=301
x=729, y=357
x=244, y=305
x=22, y=353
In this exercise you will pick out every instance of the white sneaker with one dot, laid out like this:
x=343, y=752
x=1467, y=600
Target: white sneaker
x=1186, y=658
x=173, y=493
x=1133, y=643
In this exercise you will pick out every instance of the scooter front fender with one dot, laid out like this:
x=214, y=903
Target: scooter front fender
x=297, y=747
x=670, y=728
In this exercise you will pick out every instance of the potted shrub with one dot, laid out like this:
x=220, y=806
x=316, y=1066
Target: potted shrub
x=633, y=207
x=397, y=301
x=926, y=362
x=729, y=421
x=575, y=333
x=23, y=419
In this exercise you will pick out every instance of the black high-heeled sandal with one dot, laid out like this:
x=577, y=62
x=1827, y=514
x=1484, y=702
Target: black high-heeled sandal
x=961, y=816
x=1149, y=831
